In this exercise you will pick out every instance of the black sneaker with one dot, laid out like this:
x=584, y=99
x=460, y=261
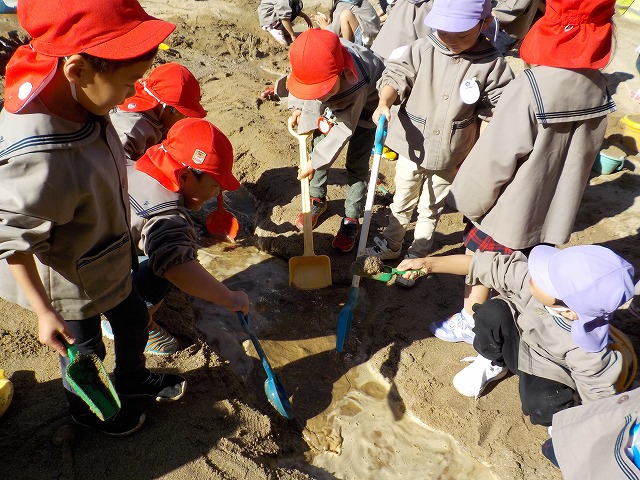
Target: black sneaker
x=163, y=387
x=318, y=207
x=125, y=422
x=345, y=239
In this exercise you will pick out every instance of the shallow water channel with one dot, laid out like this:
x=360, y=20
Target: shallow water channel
x=355, y=424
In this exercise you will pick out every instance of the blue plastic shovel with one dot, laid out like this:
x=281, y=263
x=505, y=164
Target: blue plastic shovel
x=276, y=394
x=346, y=313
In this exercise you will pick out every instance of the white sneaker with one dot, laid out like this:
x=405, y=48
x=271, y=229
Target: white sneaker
x=456, y=328
x=474, y=378
x=382, y=250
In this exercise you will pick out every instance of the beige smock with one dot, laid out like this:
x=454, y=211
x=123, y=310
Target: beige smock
x=63, y=198
x=137, y=131
x=161, y=226
x=404, y=25
x=523, y=180
x=434, y=127
x=272, y=11
x=352, y=106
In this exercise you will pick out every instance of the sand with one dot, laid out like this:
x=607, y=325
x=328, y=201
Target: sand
x=393, y=373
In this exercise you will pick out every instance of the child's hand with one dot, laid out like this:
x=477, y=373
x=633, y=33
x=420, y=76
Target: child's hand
x=238, y=302
x=295, y=115
x=307, y=171
x=51, y=326
x=381, y=110
x=321, y=19
x=414, y=264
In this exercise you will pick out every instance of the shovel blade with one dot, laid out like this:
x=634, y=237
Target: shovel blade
x=223, y=224
x=277, y=396
x=89, y=380
x=310, y=272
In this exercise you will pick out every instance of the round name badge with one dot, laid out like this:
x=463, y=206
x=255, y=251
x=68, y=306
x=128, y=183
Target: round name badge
x=324, y=125
x=469, y=91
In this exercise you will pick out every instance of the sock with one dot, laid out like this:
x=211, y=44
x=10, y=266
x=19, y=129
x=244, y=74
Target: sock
x=468, y=318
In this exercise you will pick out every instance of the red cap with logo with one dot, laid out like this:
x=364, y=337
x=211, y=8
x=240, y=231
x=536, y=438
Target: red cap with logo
x=191, y=143
x=109, y=29
x=172, y=84
x=317, y=59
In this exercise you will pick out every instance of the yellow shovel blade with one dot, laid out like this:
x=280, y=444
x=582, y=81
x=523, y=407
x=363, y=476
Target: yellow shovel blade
x=310, y=272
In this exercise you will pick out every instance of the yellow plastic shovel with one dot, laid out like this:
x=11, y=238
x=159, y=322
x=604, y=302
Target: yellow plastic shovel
x=310, y=271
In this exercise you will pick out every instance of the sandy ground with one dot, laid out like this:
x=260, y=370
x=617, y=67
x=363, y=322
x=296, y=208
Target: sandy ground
x=224, y=428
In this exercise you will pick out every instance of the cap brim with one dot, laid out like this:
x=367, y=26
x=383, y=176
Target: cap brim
x=143, y=38
x=27, y=73
x=538, y=263
x=314, y=91
x=590, y=334
x=449, y=24
x=140, y=102
x=191, y=113
x=227, y=182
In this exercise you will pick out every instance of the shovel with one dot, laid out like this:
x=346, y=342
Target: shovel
x=385, y=275
x=221, y=223
x=310, y=271
x=276, y=394
x=89, y=380
x=346, y=313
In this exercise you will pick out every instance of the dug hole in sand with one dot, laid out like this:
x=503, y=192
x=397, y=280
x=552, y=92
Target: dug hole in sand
x=383, y=409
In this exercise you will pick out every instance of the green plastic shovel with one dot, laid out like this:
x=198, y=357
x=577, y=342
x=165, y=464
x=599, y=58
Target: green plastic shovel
x=89, y=380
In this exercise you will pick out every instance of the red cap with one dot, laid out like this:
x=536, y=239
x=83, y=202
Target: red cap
x=317, y=59
x=194, y=143
x=172, y=84
x=571, y=34
x=109, y=29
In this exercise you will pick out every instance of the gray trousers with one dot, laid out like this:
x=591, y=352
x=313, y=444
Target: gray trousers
x=357, y=165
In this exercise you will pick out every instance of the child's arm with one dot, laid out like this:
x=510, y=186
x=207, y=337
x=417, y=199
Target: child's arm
x=306, y=18
x=192, y=278
x=454, y=264
x=50, y=323
x=286, y=23
x=388, y=96
x=322, y=20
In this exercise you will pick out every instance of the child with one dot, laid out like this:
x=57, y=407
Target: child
x=526, y=191
x=444, y=83
x=65, y=230
x=192, y=165
x=339, y=78
x=170, y=93
x=353, y=20
x=277, y=16
x=549, y=323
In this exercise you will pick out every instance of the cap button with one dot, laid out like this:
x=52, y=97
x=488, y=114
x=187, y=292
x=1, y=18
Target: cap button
x=623, y=398
x=24, y=90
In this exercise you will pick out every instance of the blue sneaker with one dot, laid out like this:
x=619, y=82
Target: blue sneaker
x=160, y=341
x=453, y=329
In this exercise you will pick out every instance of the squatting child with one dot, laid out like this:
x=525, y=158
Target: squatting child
x=277, y=16
x=353, y=20
x=191, y=166
x=548, y=323
x=65, y=212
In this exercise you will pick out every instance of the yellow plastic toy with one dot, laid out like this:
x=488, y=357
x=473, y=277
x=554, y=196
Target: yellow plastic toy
x=6, y=393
